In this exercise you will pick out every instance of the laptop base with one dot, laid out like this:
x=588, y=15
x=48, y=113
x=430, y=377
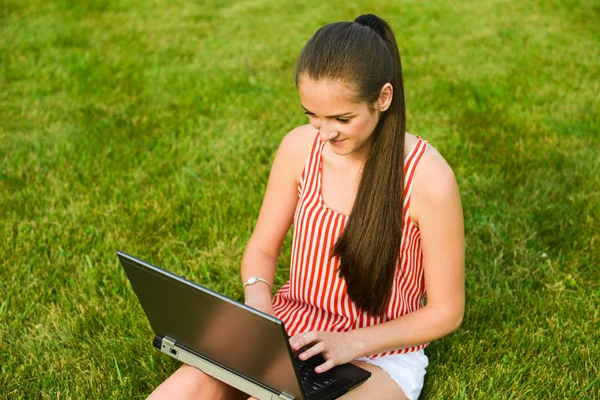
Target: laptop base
x=170, y=347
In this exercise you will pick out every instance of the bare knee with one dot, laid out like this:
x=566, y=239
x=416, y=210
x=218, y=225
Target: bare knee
x=190, y=383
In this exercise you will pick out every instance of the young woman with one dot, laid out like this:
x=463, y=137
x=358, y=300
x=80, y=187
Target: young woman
x=378, y=224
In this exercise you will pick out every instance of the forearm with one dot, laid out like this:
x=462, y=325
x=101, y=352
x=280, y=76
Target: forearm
x=256, y=263
x=422, y=326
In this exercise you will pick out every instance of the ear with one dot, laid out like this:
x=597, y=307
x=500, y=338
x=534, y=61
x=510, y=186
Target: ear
x=385, y=97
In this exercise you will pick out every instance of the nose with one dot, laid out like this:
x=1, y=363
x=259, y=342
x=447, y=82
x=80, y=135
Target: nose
x=326, y=134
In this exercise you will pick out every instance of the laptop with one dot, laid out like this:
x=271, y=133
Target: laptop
x=235, y=343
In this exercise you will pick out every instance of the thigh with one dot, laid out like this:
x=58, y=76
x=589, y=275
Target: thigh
x=378, y=386
x=191, y=383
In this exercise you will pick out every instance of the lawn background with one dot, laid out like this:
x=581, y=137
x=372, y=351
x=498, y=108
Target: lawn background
x=150, y=126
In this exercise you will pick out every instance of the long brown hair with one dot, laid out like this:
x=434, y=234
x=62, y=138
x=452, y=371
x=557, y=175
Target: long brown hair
x=364, y=55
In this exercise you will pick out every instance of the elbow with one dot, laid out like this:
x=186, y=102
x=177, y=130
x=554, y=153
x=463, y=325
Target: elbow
x=456, y=316
x=453, y=318
x=457, y=320
x=448, y=318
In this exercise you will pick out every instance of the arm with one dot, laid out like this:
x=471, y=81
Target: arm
x=275, y=217
x=436, y=209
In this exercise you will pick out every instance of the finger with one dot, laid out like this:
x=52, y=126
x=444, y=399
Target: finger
x=300, y=340
x=303, y=339
x=316, y=349
x=326, y=366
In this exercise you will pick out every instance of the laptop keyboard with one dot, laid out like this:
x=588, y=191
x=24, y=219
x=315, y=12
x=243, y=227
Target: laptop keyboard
x=311, y=381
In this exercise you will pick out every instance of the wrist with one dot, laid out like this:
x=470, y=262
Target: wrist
x=258, y=302
x=261, y=303
x=257, y=294
x=257, y=280
x=359, y=343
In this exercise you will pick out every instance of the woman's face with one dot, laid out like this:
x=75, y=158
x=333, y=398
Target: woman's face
x=347, y=126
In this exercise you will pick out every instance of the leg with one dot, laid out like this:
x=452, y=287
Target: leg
x=378, y=386
x=191, y=383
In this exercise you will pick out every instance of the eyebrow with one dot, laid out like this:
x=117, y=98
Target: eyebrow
x=329, y=116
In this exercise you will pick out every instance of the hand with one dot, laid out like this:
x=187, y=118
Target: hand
x=336, y=347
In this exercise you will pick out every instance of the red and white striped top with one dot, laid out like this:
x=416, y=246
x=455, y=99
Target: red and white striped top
x=315, y=298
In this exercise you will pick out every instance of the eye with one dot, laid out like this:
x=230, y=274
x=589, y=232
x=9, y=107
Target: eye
x=310, y=115
x=343, y=120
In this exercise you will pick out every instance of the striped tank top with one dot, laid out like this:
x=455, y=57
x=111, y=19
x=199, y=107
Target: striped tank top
x=315, y=298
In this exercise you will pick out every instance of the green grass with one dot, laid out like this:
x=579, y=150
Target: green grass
x=149, y=126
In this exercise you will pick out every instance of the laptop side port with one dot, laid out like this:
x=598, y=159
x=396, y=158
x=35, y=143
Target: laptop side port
x=168, y=346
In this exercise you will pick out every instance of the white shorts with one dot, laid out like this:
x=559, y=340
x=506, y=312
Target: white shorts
x=407, y=370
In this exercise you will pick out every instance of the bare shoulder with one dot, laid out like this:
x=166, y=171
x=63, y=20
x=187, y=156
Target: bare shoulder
x=433, y=168
x=295, y=147
x=300, y=139
x=434, y=185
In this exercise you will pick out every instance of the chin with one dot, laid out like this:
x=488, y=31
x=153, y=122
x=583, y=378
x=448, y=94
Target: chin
x=339, y=148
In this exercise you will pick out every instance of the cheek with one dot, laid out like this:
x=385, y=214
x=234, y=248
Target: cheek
x=363, y=127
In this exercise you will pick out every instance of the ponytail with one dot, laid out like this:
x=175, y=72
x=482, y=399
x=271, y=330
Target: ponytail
x=364, y=54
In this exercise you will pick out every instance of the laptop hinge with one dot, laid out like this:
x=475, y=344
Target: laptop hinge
x=168, y=346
